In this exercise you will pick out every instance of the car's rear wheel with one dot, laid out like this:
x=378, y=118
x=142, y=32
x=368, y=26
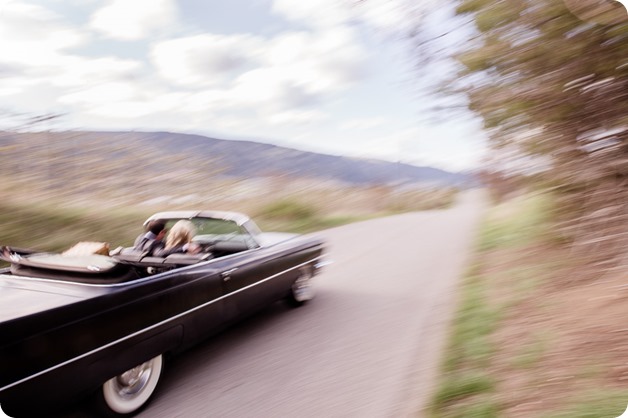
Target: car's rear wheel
x=127, y=393
x=301, y=290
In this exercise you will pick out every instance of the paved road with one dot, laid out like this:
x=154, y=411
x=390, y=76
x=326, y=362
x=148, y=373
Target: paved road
x=367, y=346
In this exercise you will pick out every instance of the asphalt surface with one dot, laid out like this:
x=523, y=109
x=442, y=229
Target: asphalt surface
x=367, y=346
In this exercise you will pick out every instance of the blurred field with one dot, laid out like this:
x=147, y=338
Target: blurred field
x=528, y=340
x=59, y=188
x=55, y=224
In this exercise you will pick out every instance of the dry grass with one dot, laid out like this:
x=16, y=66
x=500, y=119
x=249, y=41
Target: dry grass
x=548, y=346
x=54, y=224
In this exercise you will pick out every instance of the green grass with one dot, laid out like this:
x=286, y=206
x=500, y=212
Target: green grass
x=411, y=201
x=516, y=223
x=294, y=215
x=463, y=385
x=469, y=353
x=287, y=209
x=291, y=215
x=466, y=388
x=48, y=227
x=531, y=351
x=481, y=408
x=52, y=224
x=473, y=324
x=55, y=229
x=594, y=404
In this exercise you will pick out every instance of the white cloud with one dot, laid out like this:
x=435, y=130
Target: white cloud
x=201, y=101
x=387, y=15
x=323, y=62
x=297, y=117
x=37, y=65
x=81, y=71
x=317, y=62
x=293, y=70
x=381, y=15
x=320, y=13
x=9, y=90
x=103, y=93
x=31, y=35
x=244, y=84
x=204, y=59
x=125, y=100
x=281, y=80
x=364, y=123
x=134, y=20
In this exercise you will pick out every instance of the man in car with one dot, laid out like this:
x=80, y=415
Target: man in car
x=152, y=239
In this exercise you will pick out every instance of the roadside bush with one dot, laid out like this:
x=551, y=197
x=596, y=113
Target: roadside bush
x=287, y=209
x=49, y=228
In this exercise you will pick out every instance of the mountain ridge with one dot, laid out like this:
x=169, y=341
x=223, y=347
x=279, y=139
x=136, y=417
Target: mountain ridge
x=246, y=158
x=153, y=154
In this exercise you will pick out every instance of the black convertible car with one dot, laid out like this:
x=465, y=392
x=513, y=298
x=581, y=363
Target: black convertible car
x=74, y=326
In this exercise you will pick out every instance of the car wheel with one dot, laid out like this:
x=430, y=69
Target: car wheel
x=301, y=290
x=127, y=393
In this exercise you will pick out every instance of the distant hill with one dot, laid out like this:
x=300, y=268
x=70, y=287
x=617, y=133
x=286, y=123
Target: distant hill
x=253, y=159
x=163, y=152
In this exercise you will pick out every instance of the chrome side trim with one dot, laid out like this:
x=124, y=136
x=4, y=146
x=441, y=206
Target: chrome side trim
x=165, y=321
x=323, y=263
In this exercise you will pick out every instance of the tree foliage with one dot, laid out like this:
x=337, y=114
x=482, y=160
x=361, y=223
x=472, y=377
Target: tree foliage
x=550, y=84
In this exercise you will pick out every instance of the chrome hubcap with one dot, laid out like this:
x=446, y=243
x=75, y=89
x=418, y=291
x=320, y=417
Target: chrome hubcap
x=128, y=391
x=134, y=380
x=302, y=287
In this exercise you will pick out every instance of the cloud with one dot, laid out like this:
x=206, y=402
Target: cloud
x=281, y=80
x=31, y=35
x=74, y=71
x=320, y=13
x=271, y=89
x=364, y=123
x=38, y=65
x=297, y=117
x=126, y=100
x=115, y=92
x=324, y=62
x=241, y=84
x=204, y=59
x=134, y=20
x=36, y=46
x=37, y=62
x=263, y=75
x=381, y=15
x=389, y=15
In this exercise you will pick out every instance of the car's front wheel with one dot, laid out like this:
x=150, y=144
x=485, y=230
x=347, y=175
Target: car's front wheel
x=301, y=290
x=127, y=393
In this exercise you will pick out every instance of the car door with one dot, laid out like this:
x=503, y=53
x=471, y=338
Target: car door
x=249, y=281
x=198, y=292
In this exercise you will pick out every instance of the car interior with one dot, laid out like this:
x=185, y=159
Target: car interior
x=215, y=237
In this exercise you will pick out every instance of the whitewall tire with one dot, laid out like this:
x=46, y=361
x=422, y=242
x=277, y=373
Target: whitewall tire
x=301, y=290
x=127, y=393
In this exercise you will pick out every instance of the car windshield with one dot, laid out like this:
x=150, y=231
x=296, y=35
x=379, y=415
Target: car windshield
x=214, y=229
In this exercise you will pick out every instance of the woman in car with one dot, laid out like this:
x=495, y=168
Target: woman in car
x=179, y=240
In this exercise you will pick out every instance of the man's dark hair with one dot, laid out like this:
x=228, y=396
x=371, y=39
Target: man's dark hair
x=156, y=226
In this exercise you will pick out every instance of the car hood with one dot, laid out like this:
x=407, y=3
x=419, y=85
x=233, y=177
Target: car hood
x=266, y=239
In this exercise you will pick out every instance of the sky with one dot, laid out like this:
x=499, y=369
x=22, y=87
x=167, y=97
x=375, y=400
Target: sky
x=330, y=76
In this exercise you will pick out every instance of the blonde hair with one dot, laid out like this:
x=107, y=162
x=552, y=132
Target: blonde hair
x=181, y=233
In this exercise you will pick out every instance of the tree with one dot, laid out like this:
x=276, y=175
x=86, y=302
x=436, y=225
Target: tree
x=552, y=85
